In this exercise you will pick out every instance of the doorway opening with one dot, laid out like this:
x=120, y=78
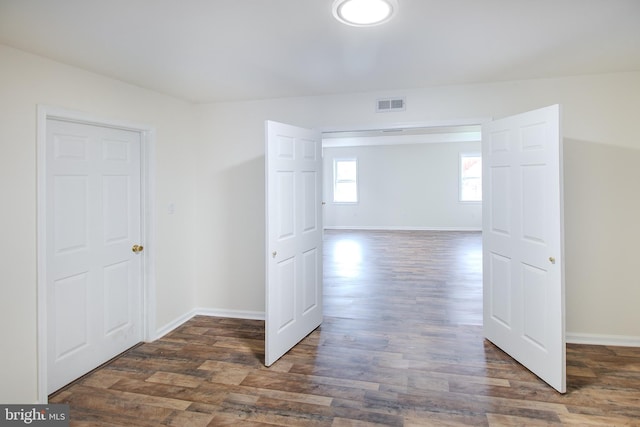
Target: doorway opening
x=410, y=179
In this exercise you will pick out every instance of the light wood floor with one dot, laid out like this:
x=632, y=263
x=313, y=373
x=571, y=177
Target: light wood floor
x=401, y=344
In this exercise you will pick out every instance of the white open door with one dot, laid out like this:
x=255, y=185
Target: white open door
x=523, y=274
x=294, y=236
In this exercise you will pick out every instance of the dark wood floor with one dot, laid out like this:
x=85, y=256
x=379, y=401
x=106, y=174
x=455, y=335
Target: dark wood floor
x=401, y=344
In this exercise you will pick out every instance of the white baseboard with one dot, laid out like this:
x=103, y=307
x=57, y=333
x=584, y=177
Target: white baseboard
x=599, y=339
x=399, y=228
x=235, y=314
x=571, y=337
x=173, y=324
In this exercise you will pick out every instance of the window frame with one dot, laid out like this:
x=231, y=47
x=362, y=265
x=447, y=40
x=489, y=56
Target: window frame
x=354, y=181
x=461, y=178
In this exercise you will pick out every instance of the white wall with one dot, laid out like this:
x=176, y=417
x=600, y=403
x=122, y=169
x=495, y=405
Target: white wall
x=602, y=204
x=406, y=186
x=25, y=81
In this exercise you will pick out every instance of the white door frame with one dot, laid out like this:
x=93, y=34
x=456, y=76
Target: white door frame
x=148, y=222
x=473, y=121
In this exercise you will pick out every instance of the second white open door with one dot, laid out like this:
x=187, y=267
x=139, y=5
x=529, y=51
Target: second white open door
x=523, y=274
x=294, y=236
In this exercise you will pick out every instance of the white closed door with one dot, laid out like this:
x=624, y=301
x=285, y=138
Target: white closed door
x=523, y=276
x=93, y=219
x=294, y=236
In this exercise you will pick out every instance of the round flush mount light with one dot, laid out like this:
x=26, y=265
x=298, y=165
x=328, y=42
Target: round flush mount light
x=364, y=13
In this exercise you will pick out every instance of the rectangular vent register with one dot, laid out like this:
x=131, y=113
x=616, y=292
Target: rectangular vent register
x=390, y=104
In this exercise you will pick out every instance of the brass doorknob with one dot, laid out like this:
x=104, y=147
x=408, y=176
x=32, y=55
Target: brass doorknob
x=552, y=260
x=137, y=248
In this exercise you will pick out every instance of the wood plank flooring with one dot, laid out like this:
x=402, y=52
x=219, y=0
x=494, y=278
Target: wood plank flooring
x=401, y=345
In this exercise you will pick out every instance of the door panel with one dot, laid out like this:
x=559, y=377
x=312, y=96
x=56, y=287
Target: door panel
x=70, y=210
x=310, y=261
x=70, y=314
x=523, y=241
x=116, y=296
x=294, y=237
x=94, y=280
x=115, y=204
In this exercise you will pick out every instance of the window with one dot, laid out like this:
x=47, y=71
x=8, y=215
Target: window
x=345, y=180
x=470, y=177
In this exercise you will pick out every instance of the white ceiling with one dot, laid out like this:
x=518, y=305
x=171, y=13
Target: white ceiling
x=219, y=50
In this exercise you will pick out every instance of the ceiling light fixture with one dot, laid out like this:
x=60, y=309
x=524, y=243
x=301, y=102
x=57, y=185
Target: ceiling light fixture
x=364, y=13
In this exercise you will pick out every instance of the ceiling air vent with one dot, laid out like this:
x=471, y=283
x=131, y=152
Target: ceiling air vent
x=390, y=104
